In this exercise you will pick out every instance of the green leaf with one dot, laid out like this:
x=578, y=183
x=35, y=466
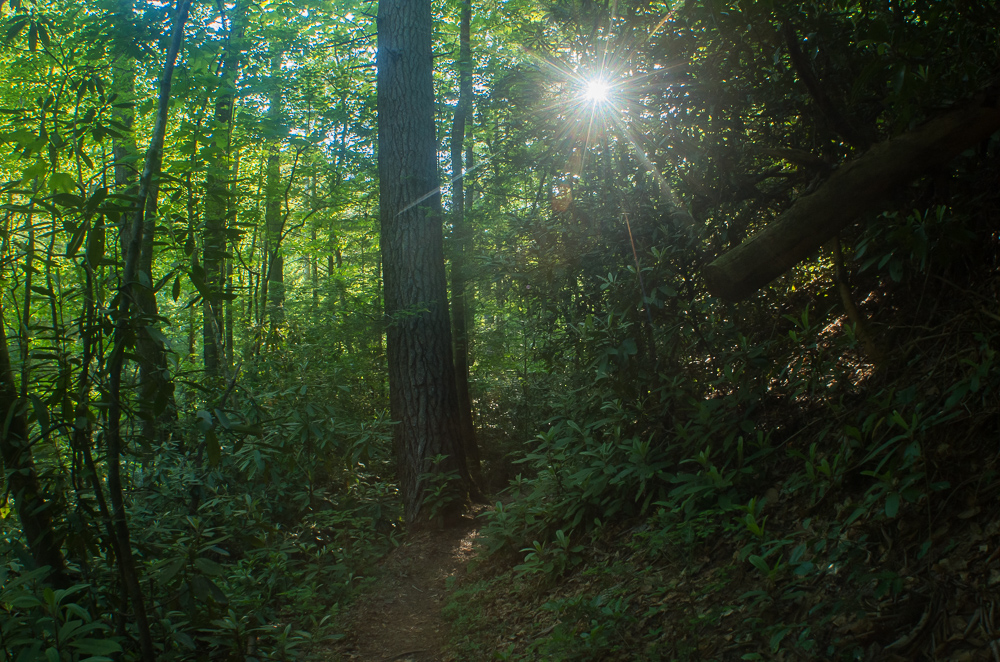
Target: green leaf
x=43, y=35
x=76, y=240
x=777, y=637
x=41, y=412
x=212, y=448
x=198, y=278
x=99, y=196
x=760, y=564
x=171, y=570
x=208, y=566
x=162, y=281
x=95, y=245
x=61, y=182
x=68, y=629
x=223, y=420
x=204, y=421
x=16, y=25
x=97, y=646
x=36, y=169
x=68, y=200
x=892, y=505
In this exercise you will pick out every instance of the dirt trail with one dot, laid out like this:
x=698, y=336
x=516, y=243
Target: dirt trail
x=400, y=619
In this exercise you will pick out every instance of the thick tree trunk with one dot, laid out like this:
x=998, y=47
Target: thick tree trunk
x=855, y=187
x=422, y=393
x=462, y=247
x=22, y=480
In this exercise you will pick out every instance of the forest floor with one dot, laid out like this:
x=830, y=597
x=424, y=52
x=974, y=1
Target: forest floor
x=399, y=619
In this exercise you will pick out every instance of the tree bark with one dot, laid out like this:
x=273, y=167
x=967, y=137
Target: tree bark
x=156, y=404
x=855, y=187
x=116, y=364
x=22, y=479
x=422, y=393
x=123, y=81
x=273, y=220
x=218, y=202
x=462, y=246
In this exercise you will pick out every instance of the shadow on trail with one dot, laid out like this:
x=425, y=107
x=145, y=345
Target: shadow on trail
x=399, y=619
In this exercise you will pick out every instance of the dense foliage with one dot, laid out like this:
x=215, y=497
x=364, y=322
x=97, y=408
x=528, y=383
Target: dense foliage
x=685, y=478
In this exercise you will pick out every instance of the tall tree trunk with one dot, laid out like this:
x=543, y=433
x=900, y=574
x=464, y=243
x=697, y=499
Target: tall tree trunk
x=314, y=270
x=156, y=403
x=116, y=364
x=313, y=260
x=422, y=393
x=272, y=207
x=22, y=480
x=218, y=202
x=123, y=81
x=462, y=247
x=230, y=350
x=157, y=406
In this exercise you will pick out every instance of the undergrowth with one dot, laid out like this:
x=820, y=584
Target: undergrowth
x=767, y=491
x=254, y=526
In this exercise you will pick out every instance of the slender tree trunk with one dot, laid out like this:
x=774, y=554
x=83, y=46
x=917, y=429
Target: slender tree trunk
x=462, y=247
x=230, y=298
x=228, y=339
x=82, y=440
x=25, y=321
x=218, y=203
x=272, y=210
x=313, y=260
x=422, y=393
x=156, y=402
x=314, y=270
x=116, y=364
x=32, y=507
x=123, y=81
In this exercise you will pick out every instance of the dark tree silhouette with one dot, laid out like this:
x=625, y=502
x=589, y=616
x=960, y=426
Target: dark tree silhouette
x=422, y=393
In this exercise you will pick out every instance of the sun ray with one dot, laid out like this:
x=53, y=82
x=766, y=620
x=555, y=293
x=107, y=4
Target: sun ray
x=602, y=97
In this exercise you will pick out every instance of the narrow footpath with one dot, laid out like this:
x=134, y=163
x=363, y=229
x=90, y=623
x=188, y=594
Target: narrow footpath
x=400, y=620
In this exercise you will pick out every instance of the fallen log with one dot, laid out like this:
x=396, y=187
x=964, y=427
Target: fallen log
x=853, y=188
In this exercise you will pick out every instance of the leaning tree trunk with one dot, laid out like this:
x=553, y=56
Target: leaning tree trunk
x=856, y=186
x=123, y=322
x=463, y=246
x=422, y=393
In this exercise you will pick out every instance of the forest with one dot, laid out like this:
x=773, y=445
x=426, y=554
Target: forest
x=683, y=313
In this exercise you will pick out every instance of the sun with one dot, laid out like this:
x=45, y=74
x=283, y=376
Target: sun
x=596, y=90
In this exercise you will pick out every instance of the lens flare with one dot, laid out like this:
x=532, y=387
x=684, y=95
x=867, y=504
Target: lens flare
x=597, y=91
